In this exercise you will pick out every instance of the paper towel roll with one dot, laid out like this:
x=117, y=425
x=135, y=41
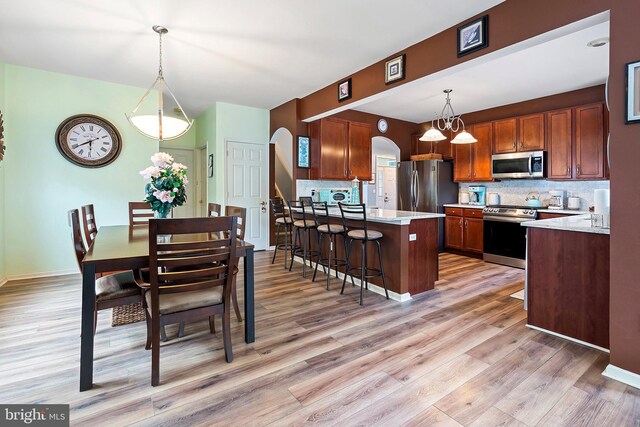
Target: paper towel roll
x=601, y=202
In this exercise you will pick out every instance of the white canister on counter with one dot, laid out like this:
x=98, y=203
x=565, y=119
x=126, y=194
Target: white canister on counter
x=494, y=199
x=464, y=197
x=573, y=203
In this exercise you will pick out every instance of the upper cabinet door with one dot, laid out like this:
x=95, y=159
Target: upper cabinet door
x=481, y=152
x=589, y=142
x=359, y=162
x=462, y=168
x=531, y=132
x=333, y=148
x=506, y=136
x=559, y=144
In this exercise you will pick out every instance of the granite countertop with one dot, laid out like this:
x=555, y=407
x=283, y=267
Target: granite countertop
x=388, y=216
x=579, y=223
x=563, y=211
x=460, y=205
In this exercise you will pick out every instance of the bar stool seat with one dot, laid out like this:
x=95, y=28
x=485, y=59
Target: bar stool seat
x=361, y=234
x=331, y=228
x=283, y=220
x=302, y=223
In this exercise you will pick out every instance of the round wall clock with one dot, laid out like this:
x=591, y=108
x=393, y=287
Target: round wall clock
x=383, y=125
x=88, y=141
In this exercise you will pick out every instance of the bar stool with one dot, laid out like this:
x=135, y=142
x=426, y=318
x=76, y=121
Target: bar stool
x=357, y=213
x=321, y=217
x=302, y=224
x=283, y=224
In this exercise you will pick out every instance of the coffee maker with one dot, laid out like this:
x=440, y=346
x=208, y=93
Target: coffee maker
x=556, y=201
x=477, y=194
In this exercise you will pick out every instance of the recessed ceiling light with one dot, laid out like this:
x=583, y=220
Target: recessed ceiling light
x=598, y=42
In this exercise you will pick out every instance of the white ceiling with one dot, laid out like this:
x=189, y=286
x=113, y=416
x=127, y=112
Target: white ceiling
x=556, y=63
x=250, y=52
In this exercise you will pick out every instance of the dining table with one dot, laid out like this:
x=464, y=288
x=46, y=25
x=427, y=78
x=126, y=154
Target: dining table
x=125, y=247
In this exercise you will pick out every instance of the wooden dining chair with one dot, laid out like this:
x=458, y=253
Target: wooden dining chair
x=139, y=213
x=214, y=209
x=112, y=290
x=89, y=223
x=202, y=286
x=241, y=214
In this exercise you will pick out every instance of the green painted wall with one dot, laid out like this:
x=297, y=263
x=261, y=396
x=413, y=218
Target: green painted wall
x=40, y=185
x=206, y=136
x=3, y=271
x=234, y=123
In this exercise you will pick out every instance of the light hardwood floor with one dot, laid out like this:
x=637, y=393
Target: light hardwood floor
x=458, y=355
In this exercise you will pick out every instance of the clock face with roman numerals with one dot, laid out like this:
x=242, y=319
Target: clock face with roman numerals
x=88, y=141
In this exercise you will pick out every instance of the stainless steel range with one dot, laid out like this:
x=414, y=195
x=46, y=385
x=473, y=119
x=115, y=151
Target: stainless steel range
x=505, y=241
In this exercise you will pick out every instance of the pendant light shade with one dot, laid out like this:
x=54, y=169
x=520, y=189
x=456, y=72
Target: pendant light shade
x=433, y=135
x=153, y=123
x=464, y=137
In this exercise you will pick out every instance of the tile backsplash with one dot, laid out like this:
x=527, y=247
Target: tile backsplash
x=514, y=191
x=304, y=186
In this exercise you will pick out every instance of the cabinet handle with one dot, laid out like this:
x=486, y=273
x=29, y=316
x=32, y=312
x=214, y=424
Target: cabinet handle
x=474, y=174
x=515, y=144
x=578, y=169
x=466, y=224
x=569, y=170
x=522, y=145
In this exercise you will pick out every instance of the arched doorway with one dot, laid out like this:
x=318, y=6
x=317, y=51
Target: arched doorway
x=283, y=165
x=382, y=190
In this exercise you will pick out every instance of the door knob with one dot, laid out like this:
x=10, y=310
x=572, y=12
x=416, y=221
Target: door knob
x=263, y=206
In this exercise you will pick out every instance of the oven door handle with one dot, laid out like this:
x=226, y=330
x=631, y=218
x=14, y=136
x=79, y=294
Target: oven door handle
x=505, y=219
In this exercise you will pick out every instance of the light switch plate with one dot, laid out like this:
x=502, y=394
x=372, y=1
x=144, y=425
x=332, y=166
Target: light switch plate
x=412, y=237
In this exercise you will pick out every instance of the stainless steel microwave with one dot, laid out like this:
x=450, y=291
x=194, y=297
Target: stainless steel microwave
x=518, y=165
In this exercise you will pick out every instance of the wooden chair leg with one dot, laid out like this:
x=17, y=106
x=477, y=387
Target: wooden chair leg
x=95, y=317
x=212, y=324
x=234, y=297
x=147, y=346
x=226, y=334
x=155, y=351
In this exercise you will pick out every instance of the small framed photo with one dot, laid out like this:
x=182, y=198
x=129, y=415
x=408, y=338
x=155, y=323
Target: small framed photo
x=394, y=69
x=473, y=36
x=633, y=92
x=210, y=166
x=303, y=152
x=344, y=90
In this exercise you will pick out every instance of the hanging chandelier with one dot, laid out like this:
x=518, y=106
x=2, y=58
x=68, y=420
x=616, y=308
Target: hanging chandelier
x=447, y=120
x=160, y=126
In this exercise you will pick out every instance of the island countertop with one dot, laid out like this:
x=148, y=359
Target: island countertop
x=579, y=223
x=388, y=216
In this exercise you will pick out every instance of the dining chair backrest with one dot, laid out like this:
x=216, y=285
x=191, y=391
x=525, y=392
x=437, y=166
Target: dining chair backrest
x=356, y=214
x=139, y=213
x=89, y=222
x=320, y=213
x=79, y=249
x=204, y=260
x=241, y=214
x=214, y=209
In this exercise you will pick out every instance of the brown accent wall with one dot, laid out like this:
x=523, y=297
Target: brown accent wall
x=625, y=196
x=510, y=22
x=399, y=131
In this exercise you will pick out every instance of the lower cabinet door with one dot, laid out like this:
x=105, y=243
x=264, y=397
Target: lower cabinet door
x=473, y=235
x=453, y=232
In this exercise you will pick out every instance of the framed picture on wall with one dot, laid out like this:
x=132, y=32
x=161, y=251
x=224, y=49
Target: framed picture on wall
x=473, y=36
x=210, y=166
x=394, y=69
x=303, y=152
x=633, y=92
x=344, y=90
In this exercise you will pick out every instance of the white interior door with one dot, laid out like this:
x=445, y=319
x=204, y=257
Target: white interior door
x=390, y=187
x=247, y=179
x=185, y=156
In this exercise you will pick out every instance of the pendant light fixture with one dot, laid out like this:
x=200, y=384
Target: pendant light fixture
x=447, y=120
x=160, y=126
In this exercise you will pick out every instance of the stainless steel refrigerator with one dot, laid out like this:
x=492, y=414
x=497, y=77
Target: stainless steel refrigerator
x=425, y=186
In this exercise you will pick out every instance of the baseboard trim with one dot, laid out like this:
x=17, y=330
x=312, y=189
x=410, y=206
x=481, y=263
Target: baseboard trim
x=622, y=375
x=373, y=288
x=577, y=341
x=41, y=275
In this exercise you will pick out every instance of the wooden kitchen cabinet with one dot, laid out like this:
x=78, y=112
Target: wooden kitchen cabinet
x=464, y=230
x=576, y=143
x=525, y=133
x=444, y=147
x=473, y=161
x=340, y=150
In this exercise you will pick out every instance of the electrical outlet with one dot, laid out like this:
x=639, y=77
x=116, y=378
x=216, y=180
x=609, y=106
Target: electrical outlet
x=412, y=237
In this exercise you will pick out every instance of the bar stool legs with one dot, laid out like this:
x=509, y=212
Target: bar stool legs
x=286, y=246
x=302, y=249
x=364, y=271
x=332, y=260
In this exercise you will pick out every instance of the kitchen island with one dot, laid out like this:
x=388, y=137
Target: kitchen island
x=567, y=287
x=409, y=250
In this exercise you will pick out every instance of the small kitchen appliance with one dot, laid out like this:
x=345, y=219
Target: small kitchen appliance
x=477, y=194
x=573, y=203
x=518, y=165
x=556, y=201
x=332, y=197
x=494, y=199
